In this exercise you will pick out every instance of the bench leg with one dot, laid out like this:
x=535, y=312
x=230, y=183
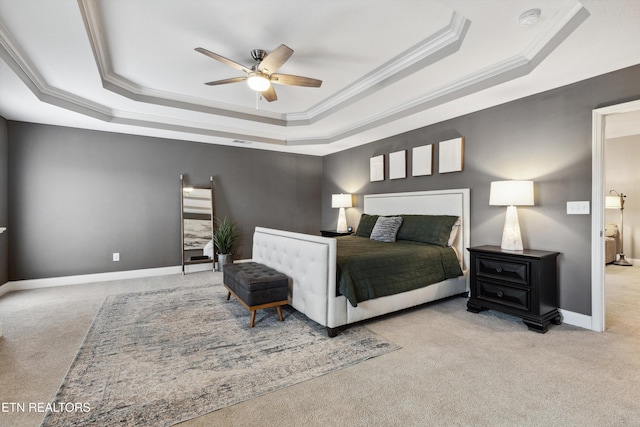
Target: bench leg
x=228, y=295
x=280, y=313
x=253, y=318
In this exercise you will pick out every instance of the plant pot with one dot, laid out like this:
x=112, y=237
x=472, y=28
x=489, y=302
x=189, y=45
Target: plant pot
x=224, y=259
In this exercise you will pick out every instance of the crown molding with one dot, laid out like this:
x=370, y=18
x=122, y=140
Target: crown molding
x=439, y=45
x=436, y=47
x=562, y=24
x=26, y=70
x=112, y=81
x=567, y=19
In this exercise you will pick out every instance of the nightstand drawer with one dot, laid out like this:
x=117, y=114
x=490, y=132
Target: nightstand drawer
x=511, y=271
x=504, y=295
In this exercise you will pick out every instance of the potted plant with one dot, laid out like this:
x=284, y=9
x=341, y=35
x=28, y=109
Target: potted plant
x=225, y=237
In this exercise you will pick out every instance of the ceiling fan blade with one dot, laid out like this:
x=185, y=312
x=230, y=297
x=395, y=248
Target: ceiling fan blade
x=275, y=59
x=270, y=94
x=223, y=59
x=288, y=79
x=225, y=81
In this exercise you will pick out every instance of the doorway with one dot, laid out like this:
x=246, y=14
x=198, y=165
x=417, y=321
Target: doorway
x=598, y=194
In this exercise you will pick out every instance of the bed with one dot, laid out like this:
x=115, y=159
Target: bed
x=311, y=261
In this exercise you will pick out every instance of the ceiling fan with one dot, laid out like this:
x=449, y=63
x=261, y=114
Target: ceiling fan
x=263, y=73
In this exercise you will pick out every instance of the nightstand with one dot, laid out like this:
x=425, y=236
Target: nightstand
x=520, y=283
x=333, y=233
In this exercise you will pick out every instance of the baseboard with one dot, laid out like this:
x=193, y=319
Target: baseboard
x=568, y=317
x=576, y=319
x=20, y=285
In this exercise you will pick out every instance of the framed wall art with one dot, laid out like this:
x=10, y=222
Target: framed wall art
x=376, y=168
x=451, y=157
x=422, y=160
x=398, y=164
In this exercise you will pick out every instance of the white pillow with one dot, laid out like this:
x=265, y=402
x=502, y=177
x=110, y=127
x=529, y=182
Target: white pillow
x=386, y=228
x=454, y=232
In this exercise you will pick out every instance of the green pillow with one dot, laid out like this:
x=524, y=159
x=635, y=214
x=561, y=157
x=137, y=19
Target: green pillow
x=433, y=229
x=366, y=225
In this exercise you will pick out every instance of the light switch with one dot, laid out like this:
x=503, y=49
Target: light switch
x=578, y=208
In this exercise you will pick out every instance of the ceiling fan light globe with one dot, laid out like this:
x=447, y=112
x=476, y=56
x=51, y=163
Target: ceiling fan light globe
x=258, y=82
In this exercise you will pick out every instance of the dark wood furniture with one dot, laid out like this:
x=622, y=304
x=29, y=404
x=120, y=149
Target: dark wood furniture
x=520, y=283
x=333, y=233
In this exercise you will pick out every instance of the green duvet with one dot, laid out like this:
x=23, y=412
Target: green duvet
x=368, y=269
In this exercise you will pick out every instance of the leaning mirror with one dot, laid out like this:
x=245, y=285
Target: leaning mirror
x=197, y=224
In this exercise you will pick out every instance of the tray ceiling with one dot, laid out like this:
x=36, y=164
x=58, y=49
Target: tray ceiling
x=387, y=66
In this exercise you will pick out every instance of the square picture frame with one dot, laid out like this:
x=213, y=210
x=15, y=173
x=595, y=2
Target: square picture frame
x=422, y=160
x=376, y=168
x=451, y=155
x=398, y=164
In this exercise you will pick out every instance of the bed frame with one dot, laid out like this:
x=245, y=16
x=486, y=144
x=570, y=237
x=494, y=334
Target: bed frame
x=310, y=261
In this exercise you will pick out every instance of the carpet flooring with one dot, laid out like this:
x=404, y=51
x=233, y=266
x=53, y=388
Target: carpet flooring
x=162, y=357
x=454, y=368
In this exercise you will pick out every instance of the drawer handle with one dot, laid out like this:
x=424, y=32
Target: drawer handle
x=499, y=269
x=500, y=294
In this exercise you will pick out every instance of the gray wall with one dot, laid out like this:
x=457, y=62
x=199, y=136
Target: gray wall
x=622, y=175
x=546, y=138
x=4, y=202
x=77, y=196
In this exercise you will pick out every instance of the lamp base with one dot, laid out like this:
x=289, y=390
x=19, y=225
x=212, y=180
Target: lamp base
x=342, y=222
x=622, y=261
x=511, y=237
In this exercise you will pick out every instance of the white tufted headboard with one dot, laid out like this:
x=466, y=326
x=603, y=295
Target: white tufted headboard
x=434, y=202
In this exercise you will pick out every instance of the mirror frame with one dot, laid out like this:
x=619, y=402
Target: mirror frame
x=183, y=189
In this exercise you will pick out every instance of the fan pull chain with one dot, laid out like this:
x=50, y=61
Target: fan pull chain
x=258, y=96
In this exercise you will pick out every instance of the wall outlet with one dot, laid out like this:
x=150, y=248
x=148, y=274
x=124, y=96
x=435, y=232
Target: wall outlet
x=116, y=256
x=578, y=208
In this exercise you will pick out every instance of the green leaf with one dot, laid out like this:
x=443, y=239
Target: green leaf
x=226, y=235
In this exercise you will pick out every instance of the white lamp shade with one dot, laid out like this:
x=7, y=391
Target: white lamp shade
x=613, y=202
x=341, y=201
x=511, y=193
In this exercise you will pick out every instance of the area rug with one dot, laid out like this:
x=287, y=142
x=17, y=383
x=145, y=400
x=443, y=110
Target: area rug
x=163, y=357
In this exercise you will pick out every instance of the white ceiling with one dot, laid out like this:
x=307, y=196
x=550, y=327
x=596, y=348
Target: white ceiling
x=387, y=66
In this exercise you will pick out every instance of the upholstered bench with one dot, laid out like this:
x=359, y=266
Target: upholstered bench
x=256, y=286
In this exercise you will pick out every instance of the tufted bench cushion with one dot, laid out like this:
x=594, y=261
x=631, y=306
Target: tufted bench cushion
x=256, y=286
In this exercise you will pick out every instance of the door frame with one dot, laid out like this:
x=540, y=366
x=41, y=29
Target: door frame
x=597, y=213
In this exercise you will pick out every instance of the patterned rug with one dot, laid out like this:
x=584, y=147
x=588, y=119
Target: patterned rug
x=163, y=357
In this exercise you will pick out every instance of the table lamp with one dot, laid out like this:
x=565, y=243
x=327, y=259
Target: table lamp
x=341, y=201
x=511, y=194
